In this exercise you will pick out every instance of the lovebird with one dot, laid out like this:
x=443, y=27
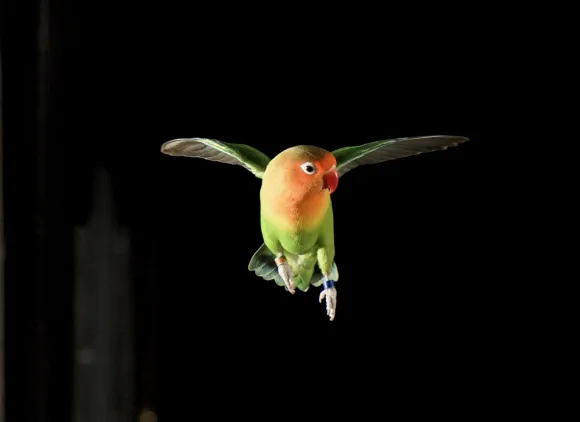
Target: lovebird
x=296, y=216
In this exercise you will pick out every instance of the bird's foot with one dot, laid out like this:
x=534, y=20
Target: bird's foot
x=329, y=292
x=286, y=273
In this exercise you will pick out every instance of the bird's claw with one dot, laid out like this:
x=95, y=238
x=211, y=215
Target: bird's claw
x=286, y=273
x=330, y=295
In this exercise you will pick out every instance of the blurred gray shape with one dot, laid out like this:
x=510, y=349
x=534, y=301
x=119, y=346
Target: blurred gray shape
x=1, y=257
x=103, y=315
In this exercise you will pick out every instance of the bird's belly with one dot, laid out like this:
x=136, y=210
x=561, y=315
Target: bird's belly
x=299, y=243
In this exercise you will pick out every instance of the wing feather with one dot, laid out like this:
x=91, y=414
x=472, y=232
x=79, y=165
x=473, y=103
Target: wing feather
x=391, y=149
x=222, y=152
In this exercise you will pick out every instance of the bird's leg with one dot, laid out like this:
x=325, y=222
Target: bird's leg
x=325, y=257
x=329, y=292
x=285, y=272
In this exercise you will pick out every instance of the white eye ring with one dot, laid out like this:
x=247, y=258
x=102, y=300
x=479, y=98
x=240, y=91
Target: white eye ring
x=308, y=168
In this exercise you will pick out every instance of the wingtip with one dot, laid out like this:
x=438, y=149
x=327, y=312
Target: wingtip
x=165, y=147
x=461, y=139
x=456, y=140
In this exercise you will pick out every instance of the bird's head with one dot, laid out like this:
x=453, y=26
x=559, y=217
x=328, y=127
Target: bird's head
x=308, y=167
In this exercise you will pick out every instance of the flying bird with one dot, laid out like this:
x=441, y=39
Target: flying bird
x=295, y=207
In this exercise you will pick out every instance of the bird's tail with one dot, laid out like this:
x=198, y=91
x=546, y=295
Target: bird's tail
x=262, y=263
x=306, y=272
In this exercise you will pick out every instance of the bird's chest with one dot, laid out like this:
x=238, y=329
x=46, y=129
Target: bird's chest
x=294, y=213
x=298, y=243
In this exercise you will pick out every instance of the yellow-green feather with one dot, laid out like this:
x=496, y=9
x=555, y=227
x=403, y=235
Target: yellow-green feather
x=296, y=220
x=304, y=249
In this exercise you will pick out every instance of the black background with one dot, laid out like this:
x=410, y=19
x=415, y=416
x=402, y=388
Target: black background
x=121, y=80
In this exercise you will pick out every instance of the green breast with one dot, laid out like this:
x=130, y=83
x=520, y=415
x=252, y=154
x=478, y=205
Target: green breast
x=297, y=242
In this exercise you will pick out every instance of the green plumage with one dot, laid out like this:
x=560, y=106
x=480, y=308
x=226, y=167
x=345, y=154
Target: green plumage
x=262, y=263
x=306, y=252
x=303, y=249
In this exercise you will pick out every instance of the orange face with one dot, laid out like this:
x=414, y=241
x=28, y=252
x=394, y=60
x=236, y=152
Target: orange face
x=295, y=185
x=313, y=169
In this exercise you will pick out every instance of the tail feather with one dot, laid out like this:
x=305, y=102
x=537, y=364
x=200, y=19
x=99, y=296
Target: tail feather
x=262, y=263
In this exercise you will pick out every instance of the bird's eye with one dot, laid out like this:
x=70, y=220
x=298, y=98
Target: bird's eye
x=308, y=168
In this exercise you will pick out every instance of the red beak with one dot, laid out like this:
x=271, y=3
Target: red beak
x=330, y=180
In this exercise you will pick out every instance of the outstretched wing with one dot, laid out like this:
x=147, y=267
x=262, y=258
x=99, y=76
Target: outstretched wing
x=391, y=149
x=222, y=152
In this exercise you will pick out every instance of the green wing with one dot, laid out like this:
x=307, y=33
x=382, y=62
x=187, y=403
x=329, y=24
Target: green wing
x=391, y=149
x=222, y=152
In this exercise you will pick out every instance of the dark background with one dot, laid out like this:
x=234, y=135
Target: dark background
x=149, y=253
